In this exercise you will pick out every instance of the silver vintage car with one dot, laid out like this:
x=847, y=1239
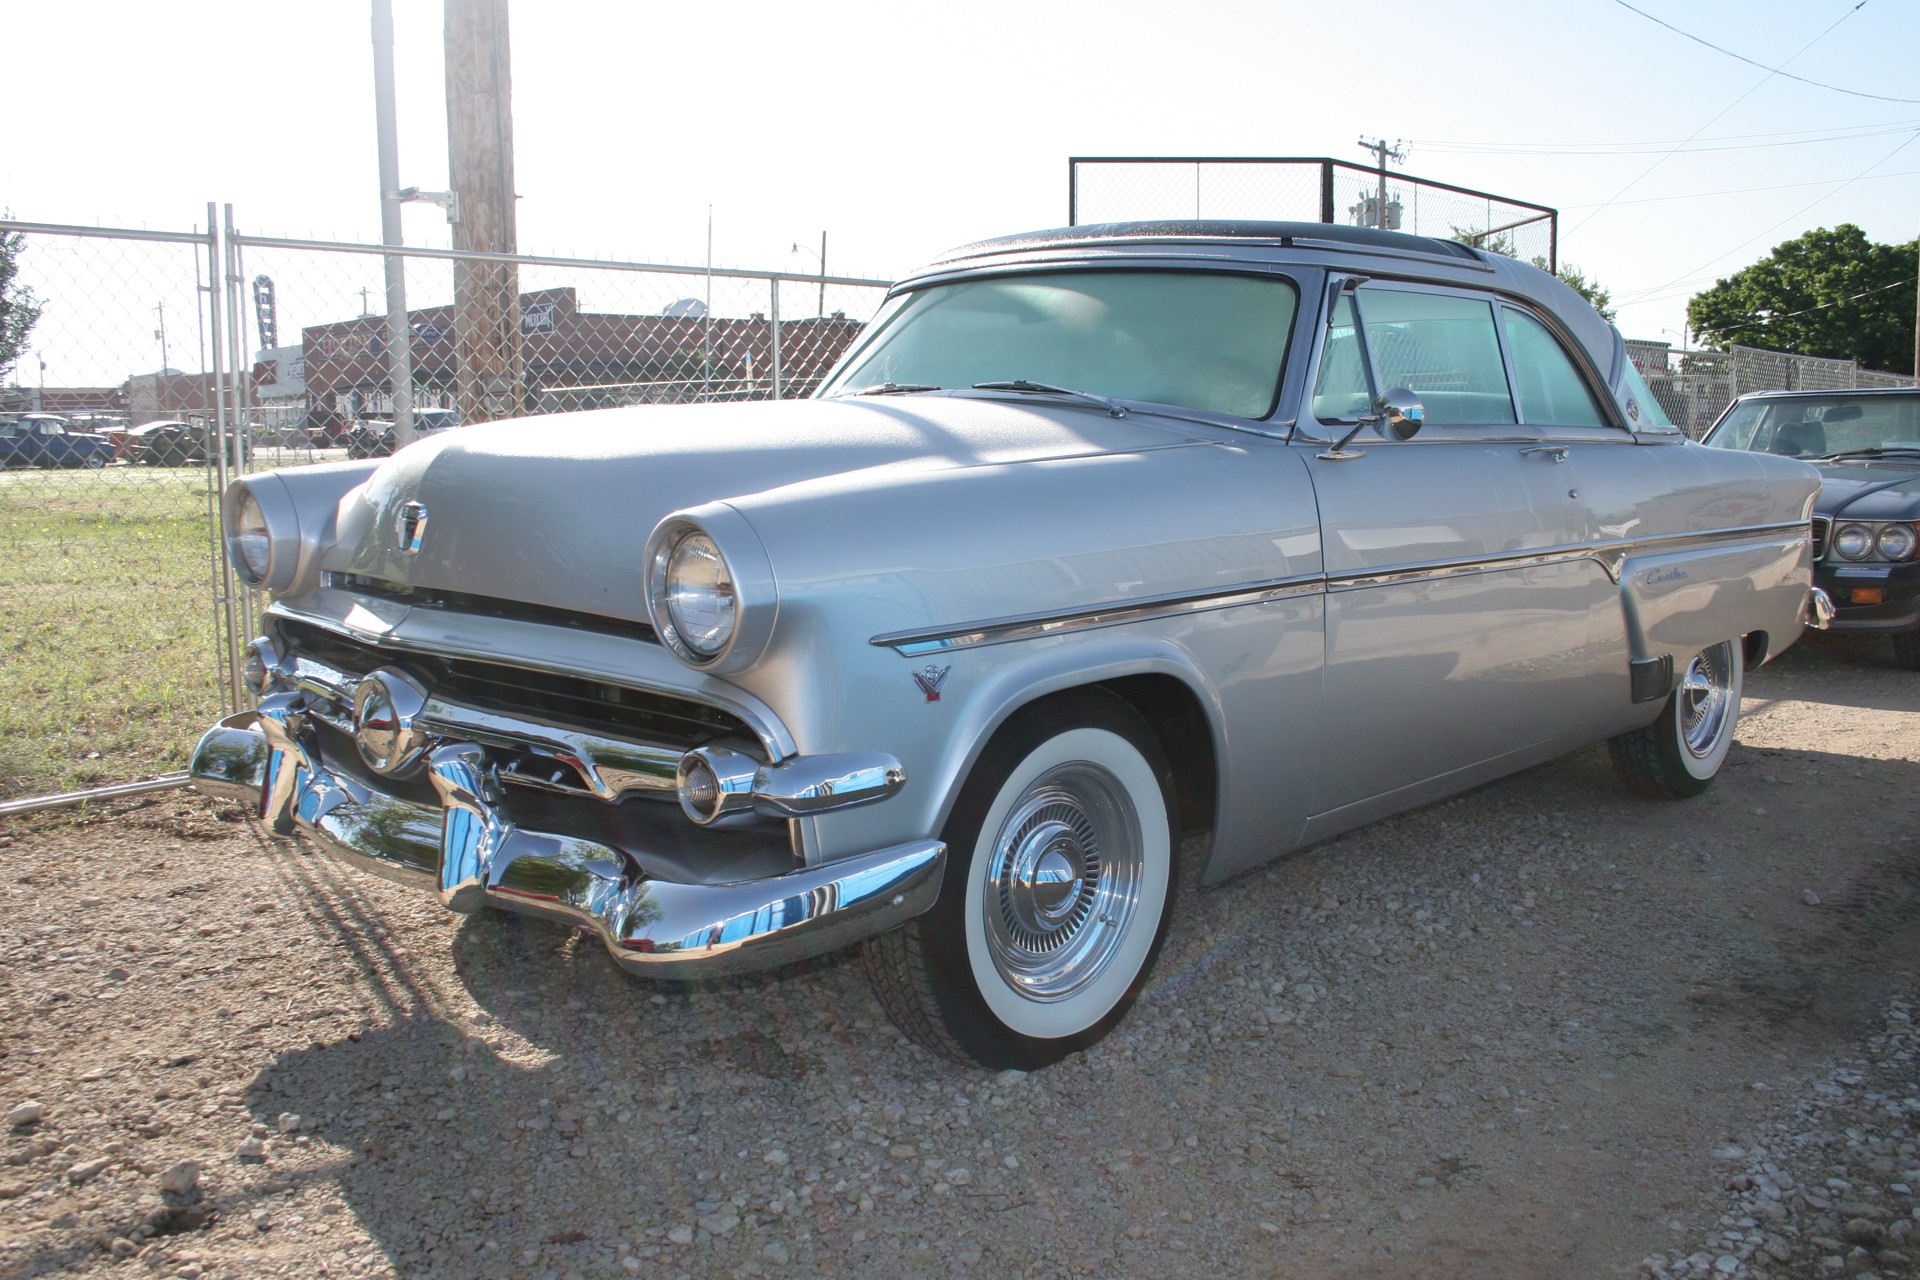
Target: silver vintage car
x=1097, y=539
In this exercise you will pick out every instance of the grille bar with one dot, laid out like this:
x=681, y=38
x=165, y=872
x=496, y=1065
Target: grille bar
x=1821, y=524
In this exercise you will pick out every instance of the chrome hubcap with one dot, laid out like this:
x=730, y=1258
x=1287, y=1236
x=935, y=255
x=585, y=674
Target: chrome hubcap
x=1062, y=882
x=1705, y=699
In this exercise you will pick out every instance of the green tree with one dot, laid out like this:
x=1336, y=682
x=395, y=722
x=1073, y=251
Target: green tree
x=18, y=307
x=1831, y=293
x=1571, y=276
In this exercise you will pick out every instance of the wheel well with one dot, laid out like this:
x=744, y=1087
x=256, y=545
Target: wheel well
x=1177, y=718
x=1755, y=646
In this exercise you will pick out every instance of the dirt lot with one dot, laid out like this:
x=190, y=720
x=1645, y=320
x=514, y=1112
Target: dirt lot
x=1543, y=1030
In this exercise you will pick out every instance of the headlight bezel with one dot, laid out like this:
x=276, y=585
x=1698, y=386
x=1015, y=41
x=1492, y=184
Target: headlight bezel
x=746, y=566
x=1904, y=530
x=279, y=531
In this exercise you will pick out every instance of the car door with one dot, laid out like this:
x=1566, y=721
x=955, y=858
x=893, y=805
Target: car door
x=1463, y=600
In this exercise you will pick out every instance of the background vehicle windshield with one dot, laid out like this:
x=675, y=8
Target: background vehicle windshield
x=1203, y=340
x=1813, y=426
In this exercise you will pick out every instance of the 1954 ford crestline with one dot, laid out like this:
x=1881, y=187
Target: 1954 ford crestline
x=1247, y=531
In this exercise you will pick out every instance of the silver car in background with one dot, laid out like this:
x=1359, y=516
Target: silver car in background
x=1099, y=538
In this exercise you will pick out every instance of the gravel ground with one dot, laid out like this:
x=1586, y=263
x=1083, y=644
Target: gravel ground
x=1543, y=1030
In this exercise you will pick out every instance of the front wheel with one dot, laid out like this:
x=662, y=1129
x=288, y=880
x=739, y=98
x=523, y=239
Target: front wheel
x=1056, y=897
x=95, y=461
x=1679, y=754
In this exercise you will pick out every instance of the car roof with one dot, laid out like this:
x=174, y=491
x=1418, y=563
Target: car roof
x=1361, y=250
x=1826, y=395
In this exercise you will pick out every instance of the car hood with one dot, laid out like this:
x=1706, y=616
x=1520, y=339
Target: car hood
x=1880, y=490
x=556, y=510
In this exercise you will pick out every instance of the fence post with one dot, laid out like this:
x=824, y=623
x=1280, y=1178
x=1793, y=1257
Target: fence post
x=1326, y=191
x=773, y=314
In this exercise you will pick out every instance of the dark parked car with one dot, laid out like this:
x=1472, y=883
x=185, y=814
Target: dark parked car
x=1866, y=527
x=45, y=440
x=172, y=444
x=374, y=437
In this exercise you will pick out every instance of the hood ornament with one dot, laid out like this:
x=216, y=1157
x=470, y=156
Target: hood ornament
x=410, y=526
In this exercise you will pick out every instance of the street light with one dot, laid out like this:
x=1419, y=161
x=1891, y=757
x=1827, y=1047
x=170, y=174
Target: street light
x=822, y=255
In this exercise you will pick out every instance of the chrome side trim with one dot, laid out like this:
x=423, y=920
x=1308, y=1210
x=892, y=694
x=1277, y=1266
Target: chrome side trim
x=1026, y=626
x=1611, y=556
x=475, y=857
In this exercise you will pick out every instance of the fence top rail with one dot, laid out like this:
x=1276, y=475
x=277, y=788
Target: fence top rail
x=542, y=260
x=10, y=225
x=1393, y=175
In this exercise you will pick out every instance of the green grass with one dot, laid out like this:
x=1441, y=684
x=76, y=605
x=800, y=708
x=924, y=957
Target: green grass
x=109, y=667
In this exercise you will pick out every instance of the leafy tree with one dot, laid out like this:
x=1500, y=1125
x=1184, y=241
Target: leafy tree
x=18, y=307
x=1571, y=276
x=1831, y=293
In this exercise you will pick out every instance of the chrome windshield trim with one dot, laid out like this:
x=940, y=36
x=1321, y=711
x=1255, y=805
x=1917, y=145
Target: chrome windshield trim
x=1027, y=626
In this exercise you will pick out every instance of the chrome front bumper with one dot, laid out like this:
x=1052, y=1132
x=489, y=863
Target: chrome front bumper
x=474, y=857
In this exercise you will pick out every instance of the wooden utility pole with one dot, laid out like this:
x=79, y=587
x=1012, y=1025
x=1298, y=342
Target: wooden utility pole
x=486, y=295
x=1382, y=152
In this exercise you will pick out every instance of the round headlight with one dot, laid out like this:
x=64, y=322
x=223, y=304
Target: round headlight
x=1853, y=542
x=250, y=543
x=700, y=596
x=1896, y=542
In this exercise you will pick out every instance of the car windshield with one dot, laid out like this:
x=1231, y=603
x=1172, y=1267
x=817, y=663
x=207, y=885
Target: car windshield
x=1821, y=426
x=1208, y=340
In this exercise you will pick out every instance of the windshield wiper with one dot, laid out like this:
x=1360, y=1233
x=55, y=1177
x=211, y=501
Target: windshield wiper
x=1878, y=451
x=1021, y=384
x=891, y=389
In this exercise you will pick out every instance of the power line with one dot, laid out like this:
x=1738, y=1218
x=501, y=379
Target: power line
x=1841, y=301
x=1661, y=142
x=1763, y=66
x=1642, y=295
x=1660, y=148
x=1730, y=106
x=1741, y=191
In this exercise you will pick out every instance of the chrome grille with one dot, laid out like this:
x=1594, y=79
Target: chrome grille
x=1820, y=526
x=491, y=607
x=595, y=705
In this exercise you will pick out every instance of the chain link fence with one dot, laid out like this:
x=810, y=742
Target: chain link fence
x=1307, y=189
x=162, y=363
x=1695, y=387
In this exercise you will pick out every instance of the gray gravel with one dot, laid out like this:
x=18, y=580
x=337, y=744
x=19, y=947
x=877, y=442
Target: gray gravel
x=1541, y=1030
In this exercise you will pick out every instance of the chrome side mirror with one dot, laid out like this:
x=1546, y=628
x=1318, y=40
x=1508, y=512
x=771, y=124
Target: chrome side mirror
x=1397, y=415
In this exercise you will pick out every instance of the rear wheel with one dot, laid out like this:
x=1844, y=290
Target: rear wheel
x=95, y=461
x=1679, y=754
x=1057, y=892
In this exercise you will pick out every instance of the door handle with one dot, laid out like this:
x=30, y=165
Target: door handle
x=1558, y=452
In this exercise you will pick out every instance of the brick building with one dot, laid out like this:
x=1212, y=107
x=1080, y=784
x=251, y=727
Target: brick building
x=573, y=359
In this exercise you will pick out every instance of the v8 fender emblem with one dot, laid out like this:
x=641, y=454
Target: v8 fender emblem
x=930, y=678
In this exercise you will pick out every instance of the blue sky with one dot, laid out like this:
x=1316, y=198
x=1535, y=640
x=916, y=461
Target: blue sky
x=902, y=129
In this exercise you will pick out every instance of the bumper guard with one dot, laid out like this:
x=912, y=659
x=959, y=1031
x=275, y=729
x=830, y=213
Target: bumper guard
x=475, y=858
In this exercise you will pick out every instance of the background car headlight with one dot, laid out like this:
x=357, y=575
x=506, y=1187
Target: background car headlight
x=700, y=595
x=1853, y=542
x=1895, y=542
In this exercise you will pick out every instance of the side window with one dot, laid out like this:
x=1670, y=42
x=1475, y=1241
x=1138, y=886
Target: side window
x=1442, y=348
x=1551, y=390
x=1341, y=389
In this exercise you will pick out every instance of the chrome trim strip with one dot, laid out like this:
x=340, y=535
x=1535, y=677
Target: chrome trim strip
x=475, y=857
x=1026, y=626
x=1611, y=556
